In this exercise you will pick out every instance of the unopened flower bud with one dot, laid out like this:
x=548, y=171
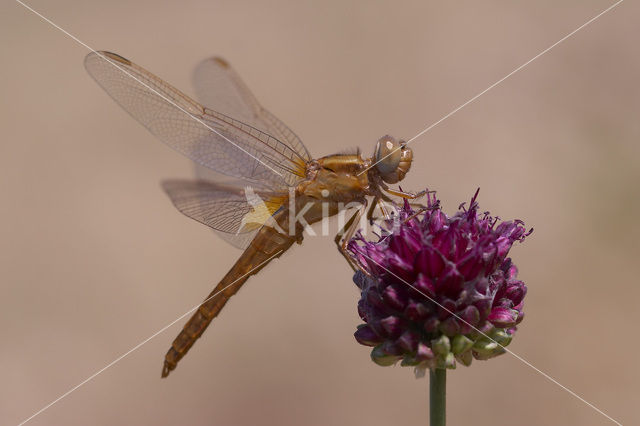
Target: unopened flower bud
x=366, y=336
x=441, y=345
x=465, y=358
x=379, y=357
x=461, y=344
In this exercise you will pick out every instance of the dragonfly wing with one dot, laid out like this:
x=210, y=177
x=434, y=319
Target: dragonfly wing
x=219, y=87
x=208, y=137
x=236, y=212
x=240, y=241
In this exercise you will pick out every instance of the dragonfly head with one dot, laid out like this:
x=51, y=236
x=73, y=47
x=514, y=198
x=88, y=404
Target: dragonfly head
x=393, y=159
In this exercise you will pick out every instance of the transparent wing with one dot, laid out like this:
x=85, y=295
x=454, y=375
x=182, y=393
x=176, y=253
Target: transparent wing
x=236, y=212
x=219, y=87
x=208, y=137
x=242, y=240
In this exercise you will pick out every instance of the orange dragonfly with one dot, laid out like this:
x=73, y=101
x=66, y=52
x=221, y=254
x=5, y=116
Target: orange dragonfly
x=242, y=140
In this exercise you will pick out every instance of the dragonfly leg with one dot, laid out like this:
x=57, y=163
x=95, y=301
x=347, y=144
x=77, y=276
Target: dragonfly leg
x=384, y=210
x=346, y=233
x=371, y=210
x=407, y=195
x=421, y=209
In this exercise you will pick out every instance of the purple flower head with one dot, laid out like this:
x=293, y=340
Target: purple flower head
x=436, y=289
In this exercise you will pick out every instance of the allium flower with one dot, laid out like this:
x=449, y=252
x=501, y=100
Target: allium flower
x=437, y=289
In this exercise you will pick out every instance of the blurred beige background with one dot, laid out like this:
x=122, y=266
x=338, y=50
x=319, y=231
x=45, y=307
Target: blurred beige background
x=94, y=258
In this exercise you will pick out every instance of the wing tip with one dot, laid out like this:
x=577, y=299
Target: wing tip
x=169, y=186
x=116, y=57
x=221, y=61
x=105, y=54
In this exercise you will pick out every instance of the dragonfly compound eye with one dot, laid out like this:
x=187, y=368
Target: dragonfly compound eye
x=393, y=159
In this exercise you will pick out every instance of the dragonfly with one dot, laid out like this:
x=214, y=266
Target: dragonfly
x=253, y=174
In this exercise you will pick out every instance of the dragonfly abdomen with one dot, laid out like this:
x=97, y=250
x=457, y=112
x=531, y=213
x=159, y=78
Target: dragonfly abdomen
x=263, y=248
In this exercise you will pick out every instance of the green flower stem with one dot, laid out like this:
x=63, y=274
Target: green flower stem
x=437, y=396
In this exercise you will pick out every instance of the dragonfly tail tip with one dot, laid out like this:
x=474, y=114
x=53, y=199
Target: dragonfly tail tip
x=165, y=370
